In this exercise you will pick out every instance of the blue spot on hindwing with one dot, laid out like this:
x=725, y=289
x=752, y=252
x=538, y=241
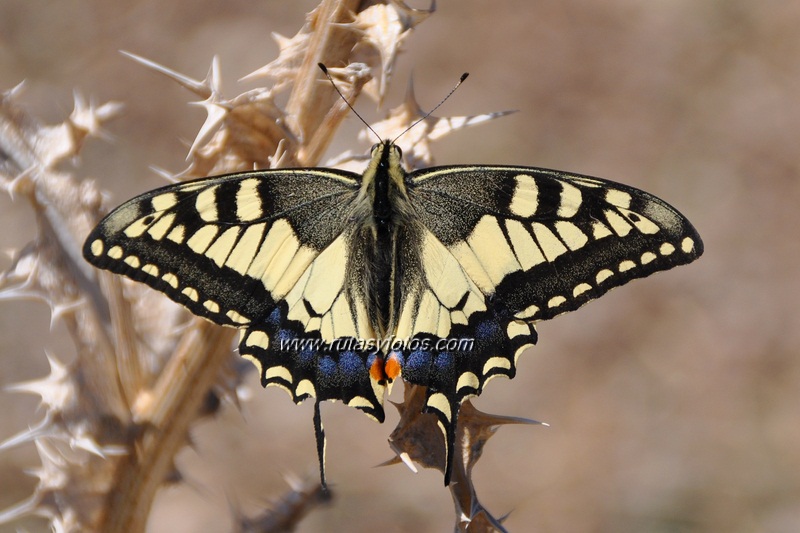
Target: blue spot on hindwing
x=284, y=336
x=418, y=360
x=486, y=329
x=444, y=361
x=306, y=355
x=351, y=365
x=275, y=318
x=327, y=366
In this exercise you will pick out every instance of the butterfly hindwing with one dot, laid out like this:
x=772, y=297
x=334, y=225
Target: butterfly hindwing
x=306, y=366
x=310, y=344
x=456, y=337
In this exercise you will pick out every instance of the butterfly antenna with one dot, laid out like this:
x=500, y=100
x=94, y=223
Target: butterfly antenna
x=324, y=69
x=429, y=113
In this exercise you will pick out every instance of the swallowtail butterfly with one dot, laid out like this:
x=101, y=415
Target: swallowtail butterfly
x=340, y=283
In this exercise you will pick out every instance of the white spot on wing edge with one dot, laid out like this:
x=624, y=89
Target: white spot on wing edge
x=467, y=379
x=496, y=362
x=211, y=305
x=257, y=338
x=580, y=288
x=687, y=245
x=237, y=318
x=440, y=402
x=279, y=372
x=520, y=351
x=360, y=401
x=191, y=293
x=115, y=252
x=490, y=378
x=97, y=247
x=516, y=328
x=305, y=387
x=171, y=279
x=603, y=275
x=528, y=312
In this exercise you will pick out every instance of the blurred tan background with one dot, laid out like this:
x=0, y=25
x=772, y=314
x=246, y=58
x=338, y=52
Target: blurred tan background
x=674, y=402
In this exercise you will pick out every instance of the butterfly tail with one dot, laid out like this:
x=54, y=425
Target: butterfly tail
x=446, y=410
x=319, y=434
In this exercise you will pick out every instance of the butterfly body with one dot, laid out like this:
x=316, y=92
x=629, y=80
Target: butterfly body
x=341, y=283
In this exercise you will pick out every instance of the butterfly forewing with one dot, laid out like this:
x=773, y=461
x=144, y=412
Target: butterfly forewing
x=544, y=242
x=228, y=247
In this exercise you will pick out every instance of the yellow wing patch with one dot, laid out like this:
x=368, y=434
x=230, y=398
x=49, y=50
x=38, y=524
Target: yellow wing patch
x=449, y=296
x=320, y=299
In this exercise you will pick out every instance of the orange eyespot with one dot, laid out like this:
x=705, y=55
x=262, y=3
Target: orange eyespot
x=378, y=371
x=393, y=368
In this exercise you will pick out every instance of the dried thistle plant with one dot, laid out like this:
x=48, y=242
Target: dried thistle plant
x=117, y=416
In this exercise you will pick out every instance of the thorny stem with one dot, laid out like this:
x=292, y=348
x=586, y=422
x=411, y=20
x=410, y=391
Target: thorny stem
x=164, y=415
x=330, y=44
